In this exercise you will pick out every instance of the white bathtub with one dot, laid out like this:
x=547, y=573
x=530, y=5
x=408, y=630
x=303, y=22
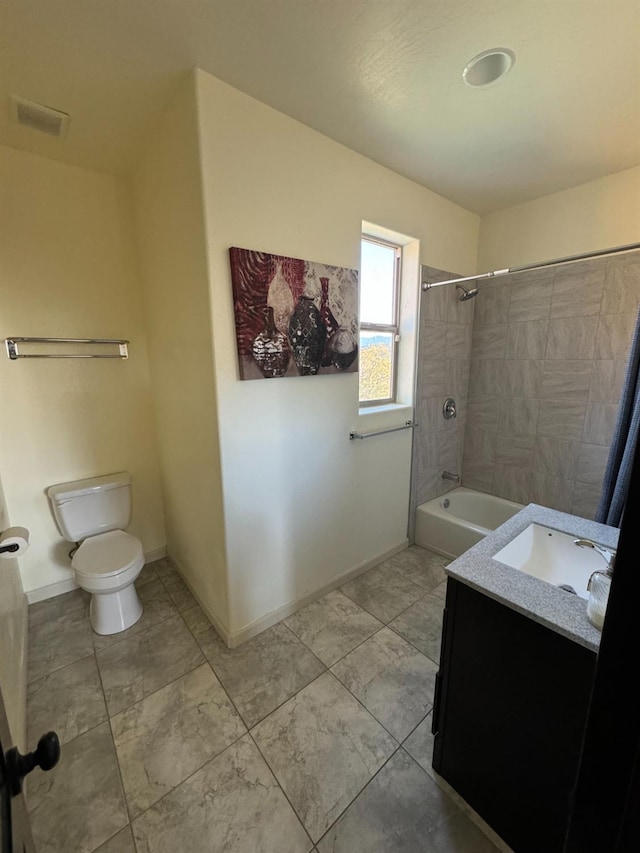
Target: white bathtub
x=454, y=522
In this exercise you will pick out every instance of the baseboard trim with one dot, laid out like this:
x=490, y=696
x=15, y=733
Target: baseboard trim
x=215, y=621
x=51, y=590
x=68, y=584
x=238, y=637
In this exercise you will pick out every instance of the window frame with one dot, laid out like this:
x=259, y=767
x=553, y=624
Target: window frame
x=393, y=329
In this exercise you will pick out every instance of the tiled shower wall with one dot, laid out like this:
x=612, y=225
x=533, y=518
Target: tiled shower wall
x=444, y=353
x=548, y=356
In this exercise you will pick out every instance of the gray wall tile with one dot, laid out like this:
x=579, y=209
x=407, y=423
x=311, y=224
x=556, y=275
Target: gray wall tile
x=585, y=500
x=482, y=412
x=572, y=338
x=615, y=332
x=433, y=378
x=531, y=298
x=577, y=290
x=458, y=341
x=478, y=475
x=432, y=340
x=527, y=340
x=606, y=381
x=434, y=304
x=515, y=450
x=517, y=415
x=566, y=380
x=622, y=285
x=513, y=484
x=564, y=419
x=552, y=491
x=457, y=311
x=492, y=303
x=524, y=377
x=489, y=341
x=599, y=423
x=556, y=456
x=592, y=463
x=480, y=445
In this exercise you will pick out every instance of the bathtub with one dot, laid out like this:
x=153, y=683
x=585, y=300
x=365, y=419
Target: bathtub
x=454, y=522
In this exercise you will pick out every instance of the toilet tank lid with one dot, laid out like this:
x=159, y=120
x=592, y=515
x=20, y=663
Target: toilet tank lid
x=77, y=488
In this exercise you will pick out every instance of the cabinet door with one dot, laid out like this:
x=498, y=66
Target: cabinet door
x=513, y=699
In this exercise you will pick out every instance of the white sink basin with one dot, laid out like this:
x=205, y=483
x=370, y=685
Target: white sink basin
x=553, y=557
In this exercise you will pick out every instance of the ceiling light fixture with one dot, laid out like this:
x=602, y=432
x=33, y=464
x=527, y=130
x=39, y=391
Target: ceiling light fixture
x=488, y=67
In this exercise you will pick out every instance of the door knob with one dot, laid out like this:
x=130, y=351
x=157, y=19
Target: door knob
x=45, y=756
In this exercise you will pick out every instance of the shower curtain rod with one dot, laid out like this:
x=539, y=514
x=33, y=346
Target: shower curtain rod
x=426, y=285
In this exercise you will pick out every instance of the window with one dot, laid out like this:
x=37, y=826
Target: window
x=379, y=298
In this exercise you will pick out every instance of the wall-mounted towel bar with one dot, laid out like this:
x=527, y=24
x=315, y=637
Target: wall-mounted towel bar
x=14, y=353
x=407, y=425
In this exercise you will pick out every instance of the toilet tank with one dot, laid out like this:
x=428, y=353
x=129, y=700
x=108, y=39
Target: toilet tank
x=85, y=508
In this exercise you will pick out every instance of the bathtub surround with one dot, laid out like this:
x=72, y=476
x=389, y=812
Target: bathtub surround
x=547, y=362
x=444, y=352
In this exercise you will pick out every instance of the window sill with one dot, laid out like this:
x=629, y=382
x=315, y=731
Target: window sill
x=394, y=408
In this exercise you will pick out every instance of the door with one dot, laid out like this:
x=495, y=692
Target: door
x=14, y=824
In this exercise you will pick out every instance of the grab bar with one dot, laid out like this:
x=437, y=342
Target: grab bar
x=407, y=425
x=14, y=353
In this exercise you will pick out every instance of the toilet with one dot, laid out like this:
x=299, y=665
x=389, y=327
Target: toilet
x=94, y=512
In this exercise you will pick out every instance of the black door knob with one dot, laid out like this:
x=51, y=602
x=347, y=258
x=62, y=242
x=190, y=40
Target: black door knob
x=46, y=756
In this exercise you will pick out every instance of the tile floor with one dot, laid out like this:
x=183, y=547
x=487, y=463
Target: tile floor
x=313, y=736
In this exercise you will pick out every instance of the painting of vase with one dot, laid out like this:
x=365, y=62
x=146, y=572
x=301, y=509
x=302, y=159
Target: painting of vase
x=293, y=317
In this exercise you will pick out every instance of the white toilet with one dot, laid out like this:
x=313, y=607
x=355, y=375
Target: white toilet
x=94, y=513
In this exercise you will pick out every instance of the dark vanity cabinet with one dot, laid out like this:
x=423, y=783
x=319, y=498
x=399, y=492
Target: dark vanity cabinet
x=509, y=713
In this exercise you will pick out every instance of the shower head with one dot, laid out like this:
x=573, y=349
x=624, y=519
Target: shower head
x=466, y=294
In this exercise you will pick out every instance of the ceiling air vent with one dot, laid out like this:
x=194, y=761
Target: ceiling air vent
x=39, y=117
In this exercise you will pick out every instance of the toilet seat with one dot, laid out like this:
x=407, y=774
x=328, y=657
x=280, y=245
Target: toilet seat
x=108, y=555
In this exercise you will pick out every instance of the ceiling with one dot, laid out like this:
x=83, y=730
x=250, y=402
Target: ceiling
x=381, y=76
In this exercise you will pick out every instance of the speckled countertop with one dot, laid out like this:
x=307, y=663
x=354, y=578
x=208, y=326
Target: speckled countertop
x=535, y=598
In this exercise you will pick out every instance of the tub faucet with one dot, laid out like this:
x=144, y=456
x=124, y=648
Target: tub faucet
x=447, y=475
x=607, y=554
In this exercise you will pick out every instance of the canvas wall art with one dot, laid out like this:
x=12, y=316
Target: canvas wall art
x=293, y=317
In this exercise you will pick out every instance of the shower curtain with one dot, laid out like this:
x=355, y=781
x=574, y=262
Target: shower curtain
x=625, y=438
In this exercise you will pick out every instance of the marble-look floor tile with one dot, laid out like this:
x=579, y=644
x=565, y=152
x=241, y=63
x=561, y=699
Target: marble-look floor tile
x=404, y=811
x=323, y=747
x=383, y=591
x=262, y=673
x=419, y=745
x=170, y=734
x=69, y=701
x=52, y=608
x=157, y=608
x=232, y=805
x=79, y=804
x=120, y=843
x=421, y=625
x=58, y=642
x=440, y=590
x=180, y=594
x=332, y=626
x=421, y=567
x=140, y=665
x=393, y=680
x=165, y=569
x=196, y=619
x=147, y=574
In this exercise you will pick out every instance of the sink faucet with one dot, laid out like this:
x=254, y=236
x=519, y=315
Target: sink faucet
x=607, y=554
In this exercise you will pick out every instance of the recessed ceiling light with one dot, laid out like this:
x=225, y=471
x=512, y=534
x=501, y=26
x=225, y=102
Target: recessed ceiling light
x=488, y=66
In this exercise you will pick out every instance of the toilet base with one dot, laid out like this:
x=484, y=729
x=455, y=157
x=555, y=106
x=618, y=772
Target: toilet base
x=112, y=612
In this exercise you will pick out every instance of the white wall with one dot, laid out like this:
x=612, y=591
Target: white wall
x=68, y=268
x=586, y=218
x=170, y=224
x=303, y=505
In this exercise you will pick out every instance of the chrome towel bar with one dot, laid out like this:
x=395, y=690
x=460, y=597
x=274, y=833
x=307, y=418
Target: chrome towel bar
x=407, y=425
x=14, y=353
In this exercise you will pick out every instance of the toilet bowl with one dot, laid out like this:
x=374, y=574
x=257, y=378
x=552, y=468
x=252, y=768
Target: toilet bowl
x=108, y=560
x=107, y=566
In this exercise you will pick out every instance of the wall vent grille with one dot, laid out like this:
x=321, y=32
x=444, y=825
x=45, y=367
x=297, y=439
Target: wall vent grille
x=39, y=117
